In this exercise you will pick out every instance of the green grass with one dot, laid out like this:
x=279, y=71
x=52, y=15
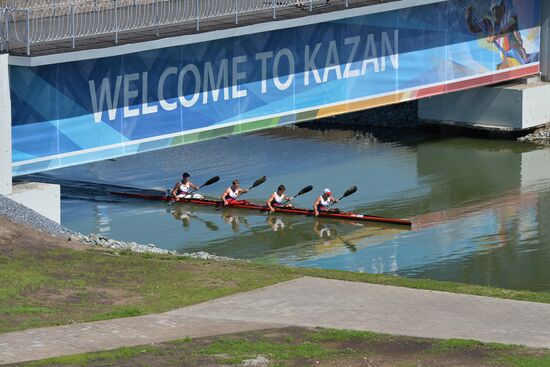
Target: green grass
x=96, y=357
x=238, y=350
x=452, y=345
x=63, y=286
x=525, y=361
x=343, y=335
x=306, y=347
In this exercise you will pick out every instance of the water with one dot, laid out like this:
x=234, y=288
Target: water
x=481, y=208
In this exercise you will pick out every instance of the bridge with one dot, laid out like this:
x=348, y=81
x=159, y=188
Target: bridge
x=86, y=80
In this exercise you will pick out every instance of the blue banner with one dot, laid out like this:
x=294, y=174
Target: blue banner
x=82, y=111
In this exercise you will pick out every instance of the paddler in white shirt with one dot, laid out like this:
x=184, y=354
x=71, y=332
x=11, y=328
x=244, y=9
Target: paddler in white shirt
x=230, y=195
x=182, y=188
x=278, y=199
x=323, y=202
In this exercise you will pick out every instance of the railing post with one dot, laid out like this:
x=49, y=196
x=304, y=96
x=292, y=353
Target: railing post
x=116, y=21
x=73, y=31
x=347, y=3
x=197, y=13
x=273, y=6
x=310, y=6
x=28, y=40
x=157, y=16
x=236, y=11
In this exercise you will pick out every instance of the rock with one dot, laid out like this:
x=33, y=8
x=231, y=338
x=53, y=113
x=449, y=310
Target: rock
x=259, y=361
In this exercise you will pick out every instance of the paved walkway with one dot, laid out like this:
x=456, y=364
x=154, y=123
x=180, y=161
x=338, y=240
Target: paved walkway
x=302, y=302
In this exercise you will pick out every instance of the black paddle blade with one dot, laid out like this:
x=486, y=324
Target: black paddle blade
x=211, y=181
x=349, y=191
x=304, y=190
x=258, y=182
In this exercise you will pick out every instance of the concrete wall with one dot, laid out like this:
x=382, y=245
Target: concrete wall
x=5, y=128
x=43, y=198
x=511, y=107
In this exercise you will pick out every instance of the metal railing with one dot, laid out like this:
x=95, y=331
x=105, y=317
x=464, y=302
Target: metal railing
x=28, y=22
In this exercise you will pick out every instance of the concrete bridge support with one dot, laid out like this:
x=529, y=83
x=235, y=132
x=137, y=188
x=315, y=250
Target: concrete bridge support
x=5, y=128
x=42, y=198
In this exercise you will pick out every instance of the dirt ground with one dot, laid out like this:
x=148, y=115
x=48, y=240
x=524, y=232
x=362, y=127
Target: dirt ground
x=298, y=347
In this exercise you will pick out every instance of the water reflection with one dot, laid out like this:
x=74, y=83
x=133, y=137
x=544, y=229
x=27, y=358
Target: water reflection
x=481, y=209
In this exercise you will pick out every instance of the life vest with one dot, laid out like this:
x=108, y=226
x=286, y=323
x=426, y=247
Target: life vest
x=324, y=203
x=278, y=199
x=232, y=194
x=184, y=188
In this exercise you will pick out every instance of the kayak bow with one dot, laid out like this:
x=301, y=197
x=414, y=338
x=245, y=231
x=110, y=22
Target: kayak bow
x=264, y=208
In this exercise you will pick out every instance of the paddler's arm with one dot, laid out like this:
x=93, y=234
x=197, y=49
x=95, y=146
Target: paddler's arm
x=193, y=186
x=175, y=191
x=243, y=191
x=316, y=206
x=333, y=200
x=268, y=202
x=225, y=193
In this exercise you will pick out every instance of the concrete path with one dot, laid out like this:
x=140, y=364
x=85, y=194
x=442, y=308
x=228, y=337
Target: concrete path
x=302, y=302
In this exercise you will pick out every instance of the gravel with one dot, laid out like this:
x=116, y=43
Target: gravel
x=103, y=241
x=21, y=214
x=539, y=136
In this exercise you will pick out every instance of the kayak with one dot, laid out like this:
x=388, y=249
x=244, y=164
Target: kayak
x=264, y=208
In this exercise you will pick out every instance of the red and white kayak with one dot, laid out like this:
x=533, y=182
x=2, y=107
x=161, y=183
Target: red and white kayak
x=264, y=208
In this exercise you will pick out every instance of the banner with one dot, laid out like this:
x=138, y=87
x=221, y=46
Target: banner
x=83, y=111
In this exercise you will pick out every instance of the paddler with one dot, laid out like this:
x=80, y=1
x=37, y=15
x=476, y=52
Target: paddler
x=323, y=202
x=278, y=199
x=230, y=195
x=182, y=188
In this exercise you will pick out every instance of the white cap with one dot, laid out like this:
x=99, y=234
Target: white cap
x=327, y=191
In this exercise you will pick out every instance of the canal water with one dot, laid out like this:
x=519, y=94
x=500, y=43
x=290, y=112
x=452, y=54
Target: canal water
x=481, y=208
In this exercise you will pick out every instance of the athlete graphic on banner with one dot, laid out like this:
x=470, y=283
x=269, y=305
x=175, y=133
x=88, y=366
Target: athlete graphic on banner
x=501, y=28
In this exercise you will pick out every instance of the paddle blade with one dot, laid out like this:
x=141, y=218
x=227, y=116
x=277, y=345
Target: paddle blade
x=211, y=181
x=258, y=182
x=304, y=190
x=349, y=191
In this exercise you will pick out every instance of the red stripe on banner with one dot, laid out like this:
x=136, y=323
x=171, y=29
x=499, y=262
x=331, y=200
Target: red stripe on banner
x=478, y=82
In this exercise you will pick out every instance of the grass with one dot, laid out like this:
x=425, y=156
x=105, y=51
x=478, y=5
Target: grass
x=58, y=285
x=310, y=347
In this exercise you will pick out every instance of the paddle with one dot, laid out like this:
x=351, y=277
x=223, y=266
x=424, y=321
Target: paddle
x=211, y=181
x=305, y=190
x=350, y=191
x=258, y=182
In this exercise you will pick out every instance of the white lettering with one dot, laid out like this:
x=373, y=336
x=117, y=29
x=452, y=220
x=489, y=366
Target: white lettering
x=196, y=75
x=332, y=62
x=309, y=64
x=129, y=95
x=348, y=73
x=209, y=81
x=263, y=56
x=283, y=85
x=393, y=52
x=235, y=92
x=370, y=58
x=105, y=94
x=144, y=96
x=167, y=106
